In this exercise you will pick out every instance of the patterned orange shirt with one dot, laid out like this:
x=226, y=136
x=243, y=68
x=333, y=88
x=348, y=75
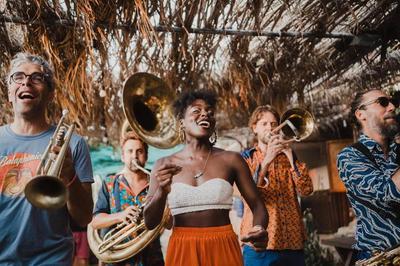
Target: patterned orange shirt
x=285, y=227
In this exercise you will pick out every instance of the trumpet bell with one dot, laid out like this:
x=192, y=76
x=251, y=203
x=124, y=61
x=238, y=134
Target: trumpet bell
x=147, y=106
x=46, y=192
x=302, y=121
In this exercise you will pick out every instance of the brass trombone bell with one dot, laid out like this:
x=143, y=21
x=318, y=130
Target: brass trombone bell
x=296, y=124
x=147, y=106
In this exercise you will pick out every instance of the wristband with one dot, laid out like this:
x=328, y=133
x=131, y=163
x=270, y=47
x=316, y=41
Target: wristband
x=258, y=227
x=71, y=181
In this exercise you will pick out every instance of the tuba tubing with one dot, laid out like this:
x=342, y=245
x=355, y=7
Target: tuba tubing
x=112, y=252
x=146, y=101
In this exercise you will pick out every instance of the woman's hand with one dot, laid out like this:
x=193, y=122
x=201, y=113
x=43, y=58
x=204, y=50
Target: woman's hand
x=164, y=176
x=160, y=186
x=257, y=238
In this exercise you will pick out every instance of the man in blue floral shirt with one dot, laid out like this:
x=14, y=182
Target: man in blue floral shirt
x=123, y=194
x=370, y=171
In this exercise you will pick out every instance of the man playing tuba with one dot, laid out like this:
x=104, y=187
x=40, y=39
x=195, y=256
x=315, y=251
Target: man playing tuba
x=121, y=198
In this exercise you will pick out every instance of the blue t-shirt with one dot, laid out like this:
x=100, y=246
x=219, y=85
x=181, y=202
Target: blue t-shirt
x=29, y=235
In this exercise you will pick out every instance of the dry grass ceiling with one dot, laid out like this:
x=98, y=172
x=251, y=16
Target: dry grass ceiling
x=339, y=47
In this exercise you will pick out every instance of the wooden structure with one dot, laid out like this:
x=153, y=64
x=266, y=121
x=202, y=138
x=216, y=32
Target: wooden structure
x=332, y=149
x=311, y=53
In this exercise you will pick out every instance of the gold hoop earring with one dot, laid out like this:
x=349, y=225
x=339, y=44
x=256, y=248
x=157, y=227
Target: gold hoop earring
x=181, y=133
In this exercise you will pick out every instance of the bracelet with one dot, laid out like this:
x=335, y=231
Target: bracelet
x=258, y=227
x=71, y=181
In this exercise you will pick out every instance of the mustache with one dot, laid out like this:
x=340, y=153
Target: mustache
x=135, y=163
x=390, y=116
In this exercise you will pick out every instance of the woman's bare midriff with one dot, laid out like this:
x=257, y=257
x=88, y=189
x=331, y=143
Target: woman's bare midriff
x=205, y=218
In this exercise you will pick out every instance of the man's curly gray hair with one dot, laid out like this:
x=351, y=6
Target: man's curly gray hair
x=22, y=58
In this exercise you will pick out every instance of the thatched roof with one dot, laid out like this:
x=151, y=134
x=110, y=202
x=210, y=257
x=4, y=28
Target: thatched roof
x=311, y=53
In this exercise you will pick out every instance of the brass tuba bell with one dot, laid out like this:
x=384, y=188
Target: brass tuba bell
x=147, y=107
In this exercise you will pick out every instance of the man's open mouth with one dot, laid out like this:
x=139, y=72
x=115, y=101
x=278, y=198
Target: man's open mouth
x=26, y=95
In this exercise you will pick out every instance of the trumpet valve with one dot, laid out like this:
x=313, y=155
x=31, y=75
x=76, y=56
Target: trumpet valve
x=60, y=136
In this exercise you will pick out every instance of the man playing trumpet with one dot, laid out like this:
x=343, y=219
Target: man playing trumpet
x=122, y=195
x=279, y=177
x=31, y=235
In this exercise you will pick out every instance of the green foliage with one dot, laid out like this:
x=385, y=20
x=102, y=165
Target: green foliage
x=314, y=253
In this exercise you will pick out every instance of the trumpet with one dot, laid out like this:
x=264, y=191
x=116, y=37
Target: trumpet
x=296, y=125
x=46, y=190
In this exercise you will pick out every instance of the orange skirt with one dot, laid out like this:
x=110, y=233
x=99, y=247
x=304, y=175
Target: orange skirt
x=204, y=246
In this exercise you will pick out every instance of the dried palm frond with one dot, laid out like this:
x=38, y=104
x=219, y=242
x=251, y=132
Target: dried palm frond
x=95, y=45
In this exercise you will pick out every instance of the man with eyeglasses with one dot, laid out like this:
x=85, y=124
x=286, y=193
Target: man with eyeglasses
x=370, y=171
x=30, y=235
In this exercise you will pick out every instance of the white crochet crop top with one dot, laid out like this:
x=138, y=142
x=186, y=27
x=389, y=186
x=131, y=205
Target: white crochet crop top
x=215, y=193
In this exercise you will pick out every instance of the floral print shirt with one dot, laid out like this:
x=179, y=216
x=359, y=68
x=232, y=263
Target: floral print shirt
x=115, y=196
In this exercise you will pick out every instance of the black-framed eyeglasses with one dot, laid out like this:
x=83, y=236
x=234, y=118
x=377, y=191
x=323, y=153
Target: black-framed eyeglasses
x=35, y=78
x=383, y=101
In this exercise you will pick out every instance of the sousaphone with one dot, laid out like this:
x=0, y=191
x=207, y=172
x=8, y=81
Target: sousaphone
x=147, y=106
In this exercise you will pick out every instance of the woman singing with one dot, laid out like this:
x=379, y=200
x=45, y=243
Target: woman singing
x=197, y=184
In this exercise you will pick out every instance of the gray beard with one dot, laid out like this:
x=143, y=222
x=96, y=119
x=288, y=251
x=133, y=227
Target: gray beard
x=386, y=130
x=390, y=131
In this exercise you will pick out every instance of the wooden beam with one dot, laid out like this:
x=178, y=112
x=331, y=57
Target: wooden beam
x=161, y=28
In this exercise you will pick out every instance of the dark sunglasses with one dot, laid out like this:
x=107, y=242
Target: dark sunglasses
x=383, y=101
